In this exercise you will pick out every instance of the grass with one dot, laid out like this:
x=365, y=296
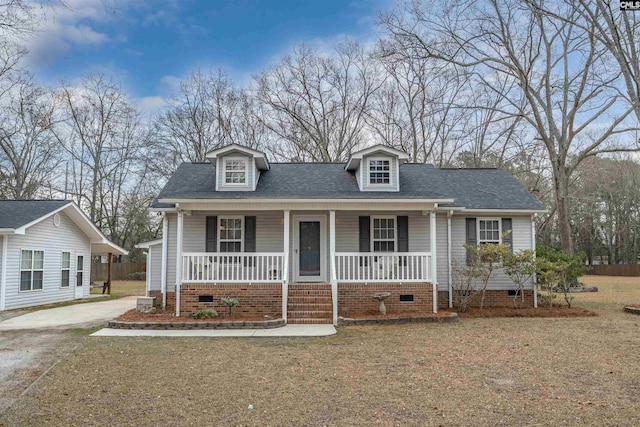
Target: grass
x=123, y=288
x=479, y=372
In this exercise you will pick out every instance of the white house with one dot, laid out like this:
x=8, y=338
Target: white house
x=45, y=252
x=309, y=242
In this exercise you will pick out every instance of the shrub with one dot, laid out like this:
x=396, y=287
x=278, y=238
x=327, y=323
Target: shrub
x=484, y=261
x=138, y=275
x=204, y=314
x=558, y=270
x=520, y=267
x=229, y=302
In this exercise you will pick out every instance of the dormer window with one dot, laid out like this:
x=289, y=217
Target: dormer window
x=379, y=172
x=235, y=171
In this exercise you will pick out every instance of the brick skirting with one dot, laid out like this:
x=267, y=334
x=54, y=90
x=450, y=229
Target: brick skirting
x=492, y=299
x=356, y=299
x=256, y=299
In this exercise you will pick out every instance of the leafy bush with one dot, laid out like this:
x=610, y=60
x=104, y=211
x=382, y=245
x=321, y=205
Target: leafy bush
x=138, y=275
x=558, y=270
x=229, y=302
x=520, y=267
x=204, y=314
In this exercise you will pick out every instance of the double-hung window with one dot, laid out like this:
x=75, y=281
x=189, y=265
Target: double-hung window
x=231, y=234
x=31, y=270
x=64, y=270
x=235, y=171
x=384, y=234
x=379, y=172
x=489, y=231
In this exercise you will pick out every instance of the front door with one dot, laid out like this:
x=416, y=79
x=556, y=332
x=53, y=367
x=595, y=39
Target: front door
x=79, y=276
x=309, y=251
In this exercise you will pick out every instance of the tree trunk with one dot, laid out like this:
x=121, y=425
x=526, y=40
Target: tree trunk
x=562, y=208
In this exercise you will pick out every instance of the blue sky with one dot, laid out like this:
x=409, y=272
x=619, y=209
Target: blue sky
x=149, y=44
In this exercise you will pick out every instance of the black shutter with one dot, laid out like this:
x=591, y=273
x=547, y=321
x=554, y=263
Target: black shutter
x=211, y=233
x=249, y=233
x=472, y=238
x=249, y=238
x=403, y=237
x=507, y=233
x=365, y=236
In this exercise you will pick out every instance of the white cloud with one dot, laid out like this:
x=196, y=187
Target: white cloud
x=66, y=25
x=150, y=106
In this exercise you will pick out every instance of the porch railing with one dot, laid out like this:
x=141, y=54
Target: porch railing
x=254, y=267
x=372, y=267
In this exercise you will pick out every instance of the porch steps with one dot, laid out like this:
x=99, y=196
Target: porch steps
x=309, y=303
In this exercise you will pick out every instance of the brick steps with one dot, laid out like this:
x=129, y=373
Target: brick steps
x=309, y=303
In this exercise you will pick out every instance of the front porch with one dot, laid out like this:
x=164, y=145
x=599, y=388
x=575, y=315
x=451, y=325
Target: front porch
x=354, y=254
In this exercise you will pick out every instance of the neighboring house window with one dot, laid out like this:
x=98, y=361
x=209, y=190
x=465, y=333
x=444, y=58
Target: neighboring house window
x=231, y=234
x=65, y=270
x=379, y=171
x=489, y=231
x=384, y=234
x=235, y=171
x=79, y=270
x=31, y=270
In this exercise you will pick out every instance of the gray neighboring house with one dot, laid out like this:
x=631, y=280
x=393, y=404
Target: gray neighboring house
x=45, y=252
x=310, y=242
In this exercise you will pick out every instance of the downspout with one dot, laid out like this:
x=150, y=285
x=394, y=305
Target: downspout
x=165, y=248
x=533, y=246
x=179, y=260
x=449, y=215
x=3, y=275
x=432, y=248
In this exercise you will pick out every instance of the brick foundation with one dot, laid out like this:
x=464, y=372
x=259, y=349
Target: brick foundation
x=355, y=299
x=258, y=299
x=492, y=299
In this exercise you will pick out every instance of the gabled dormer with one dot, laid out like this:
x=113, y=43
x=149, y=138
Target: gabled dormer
x=238, y=168
x=377, y=168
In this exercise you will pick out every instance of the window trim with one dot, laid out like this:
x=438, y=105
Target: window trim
x=242, y=235
x=76, y=270
x=245, y=161
x=487, y=240
x=368, y=172
x=395, y=233
x=67, y=269
x=31, y=270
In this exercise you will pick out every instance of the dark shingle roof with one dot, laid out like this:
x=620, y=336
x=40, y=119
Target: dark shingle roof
x=471, y=188
x=16, y=213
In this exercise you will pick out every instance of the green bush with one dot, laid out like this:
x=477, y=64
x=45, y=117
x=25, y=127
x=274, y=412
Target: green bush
x=138, y=275
x=229, y=302
x=575, y=267
x=204, y=314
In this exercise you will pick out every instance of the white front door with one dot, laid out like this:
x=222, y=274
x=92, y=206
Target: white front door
x=79, y=271
x=310, y=250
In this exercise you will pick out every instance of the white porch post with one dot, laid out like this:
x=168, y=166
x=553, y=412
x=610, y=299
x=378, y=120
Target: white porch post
x=332, y=254
x=449, y=214
x=3, y=276
x=179, y=260
x=533, y=247
x=163, y=273
x=285, y=272
x=433, y=268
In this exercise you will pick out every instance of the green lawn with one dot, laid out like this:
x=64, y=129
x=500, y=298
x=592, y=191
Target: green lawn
x=123, y=288
x=509, y=371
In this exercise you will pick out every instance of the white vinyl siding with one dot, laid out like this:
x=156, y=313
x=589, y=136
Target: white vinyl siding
x=441, y=252
x=172, y=219
x=53, y=241
x=521, y=233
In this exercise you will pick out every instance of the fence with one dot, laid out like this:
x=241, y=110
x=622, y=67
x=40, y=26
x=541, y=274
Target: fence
x=118, y=271
x=632, y=270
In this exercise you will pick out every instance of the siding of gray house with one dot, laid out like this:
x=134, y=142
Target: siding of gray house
x=521, y=240
x=155, y=275
x=53, y=241
x=251, y=173
x=441, y=252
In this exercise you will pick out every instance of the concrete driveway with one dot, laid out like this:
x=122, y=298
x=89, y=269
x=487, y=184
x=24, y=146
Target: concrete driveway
x=84, y=315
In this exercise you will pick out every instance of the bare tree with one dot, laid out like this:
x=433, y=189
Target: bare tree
x=572, y=101
x=29, y=148
x=204, y=115
x=315, y=104
x=16, y=22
